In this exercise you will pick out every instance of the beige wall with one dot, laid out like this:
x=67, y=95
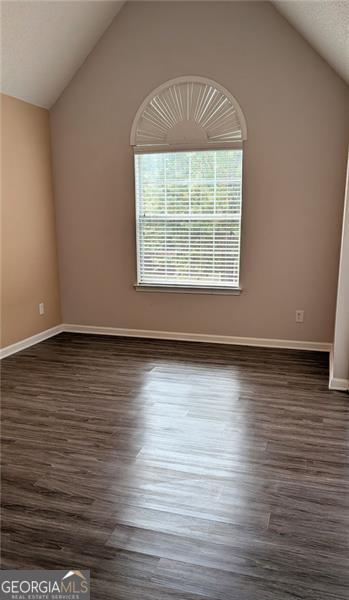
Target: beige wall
x=29, y=258
x=294, y=175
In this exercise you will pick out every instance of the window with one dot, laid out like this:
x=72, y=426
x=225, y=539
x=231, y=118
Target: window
x=187, y=137
x=189, y=218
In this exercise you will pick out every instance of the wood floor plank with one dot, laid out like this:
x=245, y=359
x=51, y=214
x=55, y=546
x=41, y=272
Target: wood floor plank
x=176, y=471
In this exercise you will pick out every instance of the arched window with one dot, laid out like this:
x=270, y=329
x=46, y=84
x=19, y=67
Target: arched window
x=187, y=137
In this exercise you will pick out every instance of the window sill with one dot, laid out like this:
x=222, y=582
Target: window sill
x=178, y=289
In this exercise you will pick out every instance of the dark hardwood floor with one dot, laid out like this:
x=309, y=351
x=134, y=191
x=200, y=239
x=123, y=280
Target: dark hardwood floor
x=176, y=471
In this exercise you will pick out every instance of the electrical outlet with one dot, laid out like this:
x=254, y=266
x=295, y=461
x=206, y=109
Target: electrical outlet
x=299, y=316
x=41, y=308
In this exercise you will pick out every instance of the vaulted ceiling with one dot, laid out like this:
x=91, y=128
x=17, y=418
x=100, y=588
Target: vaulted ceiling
x=45, y=42
x=325, y=25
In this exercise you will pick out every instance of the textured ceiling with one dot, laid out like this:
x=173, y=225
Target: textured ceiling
x=45, y=42
x=325, y=25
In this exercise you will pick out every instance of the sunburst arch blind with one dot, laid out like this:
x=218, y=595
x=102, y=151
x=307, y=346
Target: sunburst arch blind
x=187, y=138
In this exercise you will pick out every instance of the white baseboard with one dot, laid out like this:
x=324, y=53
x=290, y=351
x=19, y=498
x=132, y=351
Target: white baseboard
x=342, y=385
x=30, y=341
x=199, y=337
x=166, y=335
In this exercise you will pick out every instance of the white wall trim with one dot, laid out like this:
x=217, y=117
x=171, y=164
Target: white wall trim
x=30, y=341
x=335, y=383
x=199, y=337
x=171, y=335
x=340, y=358
x=342, y=385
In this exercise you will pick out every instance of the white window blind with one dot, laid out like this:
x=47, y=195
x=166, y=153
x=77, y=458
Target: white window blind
x=188, y=209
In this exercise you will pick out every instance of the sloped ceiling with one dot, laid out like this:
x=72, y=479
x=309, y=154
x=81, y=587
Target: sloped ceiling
x=325, y=25
x=45, y=42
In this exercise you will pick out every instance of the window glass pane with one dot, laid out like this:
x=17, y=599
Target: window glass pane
x=188, y=217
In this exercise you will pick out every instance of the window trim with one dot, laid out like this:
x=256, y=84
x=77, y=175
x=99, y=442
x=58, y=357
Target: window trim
x=167, y=148
x=140, y=146
x=188, y=289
